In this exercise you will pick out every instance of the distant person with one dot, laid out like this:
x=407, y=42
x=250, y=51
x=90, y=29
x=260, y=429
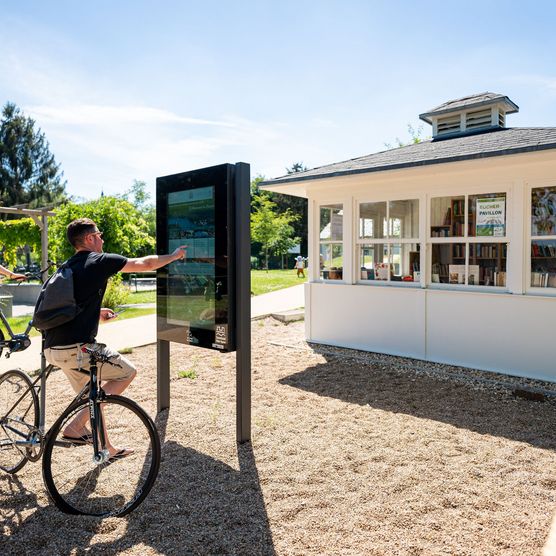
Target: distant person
x=300, y=266
x=12, y=275
x=91, y=270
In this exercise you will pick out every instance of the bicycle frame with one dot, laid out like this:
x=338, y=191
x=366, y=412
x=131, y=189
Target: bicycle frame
x=95, y=394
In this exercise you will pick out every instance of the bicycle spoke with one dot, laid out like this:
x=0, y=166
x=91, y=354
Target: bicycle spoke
x=20, y=411
x=78, y=484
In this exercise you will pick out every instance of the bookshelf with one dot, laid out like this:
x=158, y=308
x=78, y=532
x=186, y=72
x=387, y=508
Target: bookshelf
x=543, y=264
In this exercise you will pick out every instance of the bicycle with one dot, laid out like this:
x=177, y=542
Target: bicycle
x=80, y=475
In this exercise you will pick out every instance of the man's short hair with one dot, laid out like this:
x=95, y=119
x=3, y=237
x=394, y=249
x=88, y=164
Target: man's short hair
x=78, y=229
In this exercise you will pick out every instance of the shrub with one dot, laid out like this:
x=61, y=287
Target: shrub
x=116, y=293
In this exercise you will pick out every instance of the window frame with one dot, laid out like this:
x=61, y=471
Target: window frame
x=466, y=239
x=326, y=204
x=388, y=241
x=529, y=238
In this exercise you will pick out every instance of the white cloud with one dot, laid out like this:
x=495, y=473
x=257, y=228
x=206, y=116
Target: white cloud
x=91, y=114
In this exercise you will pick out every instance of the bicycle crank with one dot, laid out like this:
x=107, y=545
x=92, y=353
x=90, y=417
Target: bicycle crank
x=36, y=446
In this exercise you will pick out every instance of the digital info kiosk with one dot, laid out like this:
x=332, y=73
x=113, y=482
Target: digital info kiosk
x=204, y=299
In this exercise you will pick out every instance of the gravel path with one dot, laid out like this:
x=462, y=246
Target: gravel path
x=352, y=454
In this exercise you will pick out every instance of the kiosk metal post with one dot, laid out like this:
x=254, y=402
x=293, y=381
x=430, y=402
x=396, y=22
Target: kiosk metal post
x=243, y=303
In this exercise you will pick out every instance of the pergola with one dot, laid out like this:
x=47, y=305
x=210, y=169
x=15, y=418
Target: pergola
x=40, y=216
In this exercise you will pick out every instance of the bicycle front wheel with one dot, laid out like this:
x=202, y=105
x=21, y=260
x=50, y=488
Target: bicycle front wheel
x=77, y=484
x=19, y=417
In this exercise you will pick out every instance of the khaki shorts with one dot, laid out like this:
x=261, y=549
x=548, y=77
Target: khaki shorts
x=75, y=364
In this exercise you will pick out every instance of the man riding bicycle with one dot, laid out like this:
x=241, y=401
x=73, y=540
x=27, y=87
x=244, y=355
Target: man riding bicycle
x=63, y=344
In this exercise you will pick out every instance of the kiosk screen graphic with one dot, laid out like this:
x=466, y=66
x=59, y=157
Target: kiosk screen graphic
x=191, y=287
x=193, y=305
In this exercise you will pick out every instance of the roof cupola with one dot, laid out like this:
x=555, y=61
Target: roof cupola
x=482, y=112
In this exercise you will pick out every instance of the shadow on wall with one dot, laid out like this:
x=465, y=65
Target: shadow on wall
x=383, y=387
x=198, y=505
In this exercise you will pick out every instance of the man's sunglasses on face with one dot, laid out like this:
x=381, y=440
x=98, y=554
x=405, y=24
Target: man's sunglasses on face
x=99, y=234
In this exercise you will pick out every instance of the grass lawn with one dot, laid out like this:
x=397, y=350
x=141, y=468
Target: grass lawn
x=18, y=324
x=264, y=282
x=261, y=282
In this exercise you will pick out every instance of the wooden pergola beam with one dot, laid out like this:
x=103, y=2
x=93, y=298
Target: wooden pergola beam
x=40, y=217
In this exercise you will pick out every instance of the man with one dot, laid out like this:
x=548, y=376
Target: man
x=91, y=270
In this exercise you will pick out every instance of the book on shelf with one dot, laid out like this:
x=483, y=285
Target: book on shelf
x=543, y=279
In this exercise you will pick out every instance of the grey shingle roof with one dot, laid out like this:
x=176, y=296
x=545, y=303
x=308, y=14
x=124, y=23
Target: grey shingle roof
x=501, y=142
x=470, y=101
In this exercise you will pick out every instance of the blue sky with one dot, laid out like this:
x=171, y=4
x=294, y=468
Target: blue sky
x=134, y=90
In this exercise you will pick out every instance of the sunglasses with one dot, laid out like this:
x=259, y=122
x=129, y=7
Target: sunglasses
x=99, y=234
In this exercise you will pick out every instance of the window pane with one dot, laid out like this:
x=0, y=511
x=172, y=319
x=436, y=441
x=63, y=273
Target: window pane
x=331, y=222
x=487, y=264
x=403, y=219
x=447, y=216
x=404, y=260
x=372, y=220
x=448, y=263
x=543, y=264
x=543, y=211
x=374, y=262
x=487, y=215
x=331, y=261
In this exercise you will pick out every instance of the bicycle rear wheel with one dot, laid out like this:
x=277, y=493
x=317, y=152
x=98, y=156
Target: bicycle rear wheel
x=79, y=485
x=19, y=416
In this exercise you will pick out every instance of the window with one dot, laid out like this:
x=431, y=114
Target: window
x=331, y=241
x=388, y=241
x=468, y=236
x=543, y=237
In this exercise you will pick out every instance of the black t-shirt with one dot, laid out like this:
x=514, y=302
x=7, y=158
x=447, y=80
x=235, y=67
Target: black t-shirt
x=90, y=277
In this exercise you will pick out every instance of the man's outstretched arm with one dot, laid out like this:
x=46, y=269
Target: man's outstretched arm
x=152, y=262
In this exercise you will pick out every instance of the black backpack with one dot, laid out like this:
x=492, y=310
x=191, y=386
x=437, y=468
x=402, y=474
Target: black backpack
x=56, y=302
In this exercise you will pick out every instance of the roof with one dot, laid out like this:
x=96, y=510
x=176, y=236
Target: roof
x=505, y=141
x=470, y=101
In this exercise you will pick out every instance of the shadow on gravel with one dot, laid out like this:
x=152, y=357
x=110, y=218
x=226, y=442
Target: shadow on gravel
x=422, y=396
x=198, y=505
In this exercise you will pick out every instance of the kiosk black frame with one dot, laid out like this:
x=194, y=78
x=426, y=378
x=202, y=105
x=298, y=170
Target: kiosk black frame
x=232, y=267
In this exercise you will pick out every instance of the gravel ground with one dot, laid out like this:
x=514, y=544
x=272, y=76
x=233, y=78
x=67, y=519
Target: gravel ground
x=351, y=454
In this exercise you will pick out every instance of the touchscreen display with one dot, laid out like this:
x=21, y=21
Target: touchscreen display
x=192, y=286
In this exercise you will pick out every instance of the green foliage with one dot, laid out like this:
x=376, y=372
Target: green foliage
x=17, y=233
x=273, y=231
x=415, y=136
x=125, y=230
x=116, y=293
x=28, y=171
x=188, y=373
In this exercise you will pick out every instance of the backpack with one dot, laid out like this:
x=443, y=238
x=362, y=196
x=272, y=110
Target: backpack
x=56, y=302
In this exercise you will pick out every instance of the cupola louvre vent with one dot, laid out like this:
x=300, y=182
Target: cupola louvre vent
x=449, y=124
x=478, y=118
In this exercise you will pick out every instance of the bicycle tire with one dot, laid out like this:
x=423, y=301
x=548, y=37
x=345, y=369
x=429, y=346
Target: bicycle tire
x=78, y=485
x=19, y=422
x=2, y=338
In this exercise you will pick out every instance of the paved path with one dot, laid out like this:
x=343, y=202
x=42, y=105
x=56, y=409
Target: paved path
x=141, y=331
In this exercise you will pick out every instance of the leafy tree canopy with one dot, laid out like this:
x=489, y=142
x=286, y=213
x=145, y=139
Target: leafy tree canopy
x=29, y=173
x=125, y=230
x=273, y=230
x=415, y=136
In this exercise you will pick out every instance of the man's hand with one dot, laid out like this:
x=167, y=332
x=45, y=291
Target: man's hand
x=107, y=314
x=180, y=253
x=18, y=277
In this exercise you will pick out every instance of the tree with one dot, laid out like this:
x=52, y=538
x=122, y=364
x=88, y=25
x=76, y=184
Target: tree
x=415, y=136
x=139, y=197
x=273, y=231
x=295, y=205
x=29, y=173
x=124, y=228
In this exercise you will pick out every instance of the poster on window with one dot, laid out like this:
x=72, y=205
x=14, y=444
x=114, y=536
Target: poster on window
x=491, y=217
